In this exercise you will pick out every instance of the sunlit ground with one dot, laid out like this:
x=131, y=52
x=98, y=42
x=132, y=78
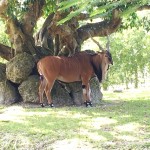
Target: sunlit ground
x=122, y=122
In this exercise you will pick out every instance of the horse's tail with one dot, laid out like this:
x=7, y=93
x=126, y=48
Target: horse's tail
x=40, y=72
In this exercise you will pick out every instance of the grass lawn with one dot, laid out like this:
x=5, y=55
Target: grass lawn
x=121, y=122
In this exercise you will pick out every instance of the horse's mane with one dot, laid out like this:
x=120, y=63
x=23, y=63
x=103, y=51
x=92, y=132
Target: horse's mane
x=109, y=56
x=96, y=65
x=97, y=70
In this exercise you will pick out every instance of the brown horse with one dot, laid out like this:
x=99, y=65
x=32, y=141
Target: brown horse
x=80, y=67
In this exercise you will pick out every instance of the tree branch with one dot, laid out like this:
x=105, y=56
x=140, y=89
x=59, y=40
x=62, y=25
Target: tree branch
x=82, y=16
x=3, y=8
x=103, y=28
x=31, y=17
x=6, y=52
x=39, y=36
x=145, y=7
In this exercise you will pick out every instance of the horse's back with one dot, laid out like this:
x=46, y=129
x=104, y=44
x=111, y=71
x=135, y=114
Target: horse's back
x=49, y=66
x=66, y=69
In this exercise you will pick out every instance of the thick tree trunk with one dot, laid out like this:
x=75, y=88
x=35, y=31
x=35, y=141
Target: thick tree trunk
x=136, y=78
x=21, y=32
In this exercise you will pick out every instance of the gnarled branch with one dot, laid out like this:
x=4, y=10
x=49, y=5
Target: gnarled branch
x=102, y=28
x=6, y=52
x=3, y=8
x=144, y=7
x=30, y=18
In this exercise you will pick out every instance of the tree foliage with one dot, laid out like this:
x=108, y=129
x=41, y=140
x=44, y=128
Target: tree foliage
x=3, y=36
x=131, y=58
x=62, y=19
x=103, y=9
x=95, y=8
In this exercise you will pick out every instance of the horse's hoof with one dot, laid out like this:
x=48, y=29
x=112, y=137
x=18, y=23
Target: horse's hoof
x=42, y=105
x=87, y=104
x=51, y=105
x=90, y=103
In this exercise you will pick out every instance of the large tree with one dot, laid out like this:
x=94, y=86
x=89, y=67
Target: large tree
x=21, y=18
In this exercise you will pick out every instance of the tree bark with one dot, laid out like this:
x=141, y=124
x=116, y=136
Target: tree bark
x=69, y=37
x=136, y=77
x=6, y=52
x=102, y=28
x=21, y=32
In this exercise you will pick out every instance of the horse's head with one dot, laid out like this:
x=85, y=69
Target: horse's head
x=105, y=60
x=102, y=60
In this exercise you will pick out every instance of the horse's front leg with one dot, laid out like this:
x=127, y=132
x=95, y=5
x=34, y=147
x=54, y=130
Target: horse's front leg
x=86, y=94
x=89, y=96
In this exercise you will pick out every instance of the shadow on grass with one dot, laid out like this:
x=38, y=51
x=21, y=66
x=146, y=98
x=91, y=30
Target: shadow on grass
x=113, y=124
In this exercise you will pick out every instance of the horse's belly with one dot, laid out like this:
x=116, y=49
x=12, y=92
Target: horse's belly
x=69, y=78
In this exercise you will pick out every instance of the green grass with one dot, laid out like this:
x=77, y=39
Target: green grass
x=122, y=122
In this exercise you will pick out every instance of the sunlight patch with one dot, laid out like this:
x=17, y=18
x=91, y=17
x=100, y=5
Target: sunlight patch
x=104, y=120
x=92, y=135
x=79, y=115
x=12, y=114
x=72, y=144
x=127, y=138
x=41, y=114
x=62, y=114
x=97, y=123
x=130, y=127
x=69, y=114
x=125, y=116
x=18, y=114
x=19, y=142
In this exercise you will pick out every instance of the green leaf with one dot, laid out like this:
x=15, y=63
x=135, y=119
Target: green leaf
x=67, y=4
x=104, y=8
x=73, y=14
x=129, y=10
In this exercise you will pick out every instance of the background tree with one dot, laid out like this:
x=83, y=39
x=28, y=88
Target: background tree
x=131, y=57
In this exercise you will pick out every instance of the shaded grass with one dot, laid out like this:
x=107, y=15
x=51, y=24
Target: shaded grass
x=120, y=122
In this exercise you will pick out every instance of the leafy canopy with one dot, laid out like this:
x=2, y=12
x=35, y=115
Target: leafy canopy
x=101, y=9
x=130, y=55
x=95, y=8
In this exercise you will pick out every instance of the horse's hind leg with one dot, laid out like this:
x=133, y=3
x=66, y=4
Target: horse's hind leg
x=48, y=89
x=41, y=89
